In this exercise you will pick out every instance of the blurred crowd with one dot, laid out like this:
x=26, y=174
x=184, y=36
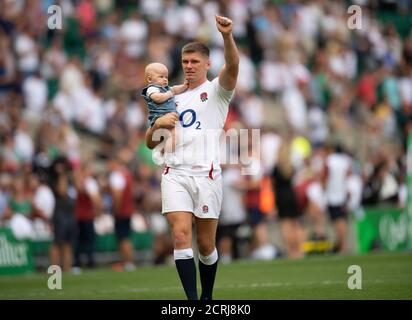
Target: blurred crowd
x=334, y=107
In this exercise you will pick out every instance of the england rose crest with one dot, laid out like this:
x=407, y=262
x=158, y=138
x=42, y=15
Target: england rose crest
x=203, y=96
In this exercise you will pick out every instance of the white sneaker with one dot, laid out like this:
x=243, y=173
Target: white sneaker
x=129, y=266
x=266, y=252
x=225, y=259
x=76, y=270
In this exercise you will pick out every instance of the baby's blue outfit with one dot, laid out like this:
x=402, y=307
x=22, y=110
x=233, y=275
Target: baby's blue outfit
x=158, y=110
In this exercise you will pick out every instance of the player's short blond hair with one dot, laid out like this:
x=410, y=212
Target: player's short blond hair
x=196, y=47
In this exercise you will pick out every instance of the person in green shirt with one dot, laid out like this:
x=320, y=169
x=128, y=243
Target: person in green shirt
x=20, y=200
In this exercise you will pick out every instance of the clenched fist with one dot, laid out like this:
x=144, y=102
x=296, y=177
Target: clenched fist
x=224, y=25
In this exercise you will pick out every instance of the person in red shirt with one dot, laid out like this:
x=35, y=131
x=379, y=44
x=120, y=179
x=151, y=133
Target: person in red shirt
x=88, y=206
x=121, y=186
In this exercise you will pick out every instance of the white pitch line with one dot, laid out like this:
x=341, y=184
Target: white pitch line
x=124, y=289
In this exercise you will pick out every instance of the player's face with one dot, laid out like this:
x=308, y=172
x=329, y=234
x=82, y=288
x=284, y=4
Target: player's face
x=195, y=66
x=160, y=77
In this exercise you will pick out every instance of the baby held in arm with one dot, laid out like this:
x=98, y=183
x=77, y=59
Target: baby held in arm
x=159, y=97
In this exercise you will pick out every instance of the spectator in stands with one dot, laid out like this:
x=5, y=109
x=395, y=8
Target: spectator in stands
x=5, y=189
x=104, y=187
x=355, y=186
x=88, y=206
x=11, y=160
x=27, y=50
x=43, y=206
x=233, y=214
x=312, y=200
x=286, y=201
x=20, y=199
x=261, y=248
x=35, y=96
x=337, y=170
x=7, y=64
x=64, y=221
x=18, y=213
x=382, y=185
x=121, y=186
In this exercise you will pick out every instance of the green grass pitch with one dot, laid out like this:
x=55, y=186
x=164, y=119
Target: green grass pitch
x=384, y=276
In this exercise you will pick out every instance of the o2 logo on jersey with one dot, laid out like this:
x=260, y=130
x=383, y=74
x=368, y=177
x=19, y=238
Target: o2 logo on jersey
x=188, y=117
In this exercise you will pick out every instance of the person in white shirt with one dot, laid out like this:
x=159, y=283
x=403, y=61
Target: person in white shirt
x=234, y=213
x=35, y=96
x=192, y=185
x=43, y=206
x=338, y=169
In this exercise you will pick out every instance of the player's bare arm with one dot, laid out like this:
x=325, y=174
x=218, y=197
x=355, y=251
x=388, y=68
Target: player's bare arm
x=228, y=73
x=168, y=121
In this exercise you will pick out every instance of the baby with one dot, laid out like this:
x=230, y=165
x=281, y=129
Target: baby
x=160, y=97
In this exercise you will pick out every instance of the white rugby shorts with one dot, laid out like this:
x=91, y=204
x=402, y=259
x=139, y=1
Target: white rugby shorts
x=200, y=195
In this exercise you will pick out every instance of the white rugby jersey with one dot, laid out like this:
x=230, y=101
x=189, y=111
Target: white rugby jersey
x=202, y=114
